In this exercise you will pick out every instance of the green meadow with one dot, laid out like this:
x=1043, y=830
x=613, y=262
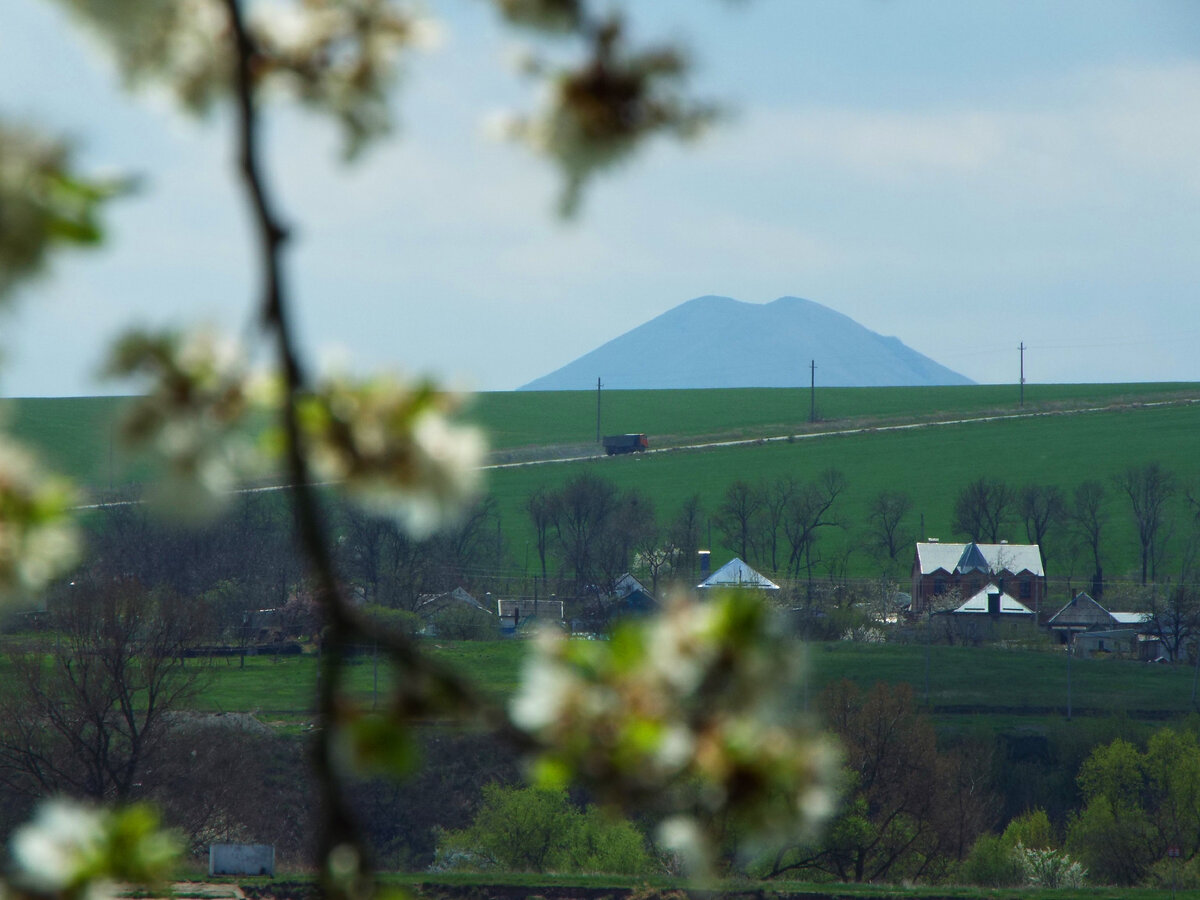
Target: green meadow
x=965, y=683
x=931, y=463
x=1071, y=433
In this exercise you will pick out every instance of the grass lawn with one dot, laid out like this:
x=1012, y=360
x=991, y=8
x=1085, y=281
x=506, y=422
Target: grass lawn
x=552, y=887
x=281, y=688
x=965, y=682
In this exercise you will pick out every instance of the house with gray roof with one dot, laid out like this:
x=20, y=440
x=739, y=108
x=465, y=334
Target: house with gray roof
x=964, y=570
x=1084, y=615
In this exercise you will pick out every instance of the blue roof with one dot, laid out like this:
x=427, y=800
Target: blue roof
x=972, y=560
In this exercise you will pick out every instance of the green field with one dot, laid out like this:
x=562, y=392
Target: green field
x=522, y=419
x=1065, y=443
x=930, y=463
x=965, y=683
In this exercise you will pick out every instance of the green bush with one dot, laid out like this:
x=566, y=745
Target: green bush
x=992, y=862
x=1031, y=830
x=538, y=830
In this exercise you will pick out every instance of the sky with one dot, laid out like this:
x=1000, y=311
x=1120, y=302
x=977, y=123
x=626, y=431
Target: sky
x=967, y=177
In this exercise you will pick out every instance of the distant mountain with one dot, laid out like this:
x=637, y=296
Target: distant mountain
x=718, y=342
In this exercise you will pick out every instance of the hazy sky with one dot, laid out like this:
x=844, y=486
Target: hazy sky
x=962, y=175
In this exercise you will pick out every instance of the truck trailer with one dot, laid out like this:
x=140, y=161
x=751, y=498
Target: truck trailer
x=625, y=443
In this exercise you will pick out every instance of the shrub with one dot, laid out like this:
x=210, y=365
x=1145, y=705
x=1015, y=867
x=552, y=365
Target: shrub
x=538, y=830
x=1050, y=868
x=1031, y=830
x=992, y=862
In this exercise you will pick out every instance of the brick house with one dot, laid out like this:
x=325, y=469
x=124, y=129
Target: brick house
x=966, y=569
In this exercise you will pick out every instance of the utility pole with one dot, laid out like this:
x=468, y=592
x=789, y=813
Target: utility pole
x=1022, y=349
x=597, y=409
x=812, y=391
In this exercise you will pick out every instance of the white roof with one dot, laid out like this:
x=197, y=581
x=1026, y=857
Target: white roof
x=934, y=555
x=979, y=603
x=1130, y=618
x=736, y=573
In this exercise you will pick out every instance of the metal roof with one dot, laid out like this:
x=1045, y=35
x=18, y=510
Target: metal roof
x=979, y=603
x=1014, y=558
x=736, y=573
x=972, y=560
x=1131, y=618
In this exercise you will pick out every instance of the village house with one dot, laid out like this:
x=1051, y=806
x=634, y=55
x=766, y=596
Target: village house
x=990, y=614
x=966, y=569
x=1092, y=630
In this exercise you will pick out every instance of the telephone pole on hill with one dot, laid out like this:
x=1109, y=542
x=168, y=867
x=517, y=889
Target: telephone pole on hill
x=812, y=391
x=1022, y=349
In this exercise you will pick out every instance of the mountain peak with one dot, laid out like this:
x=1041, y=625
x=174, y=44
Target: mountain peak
x=717, y=342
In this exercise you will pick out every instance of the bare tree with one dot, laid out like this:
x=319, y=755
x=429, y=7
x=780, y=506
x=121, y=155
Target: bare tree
x=1175, y=617
x=585, y=505
x=86, y=715
x=1149, y=489
x=775, y=500
x=1043, y=508
x=982, y=509
x=885, y=523
x=736, y=517
x=809, y=511
x=631, y=526
x=388, y=567
x=541, y=508
x=1088, y=518
x=684, y=534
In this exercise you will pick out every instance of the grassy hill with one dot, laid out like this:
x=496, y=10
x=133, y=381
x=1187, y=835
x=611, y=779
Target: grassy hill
x=930, y=463
x=1080, y=431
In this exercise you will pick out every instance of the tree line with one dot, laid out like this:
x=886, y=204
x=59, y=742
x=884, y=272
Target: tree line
x=587, y=532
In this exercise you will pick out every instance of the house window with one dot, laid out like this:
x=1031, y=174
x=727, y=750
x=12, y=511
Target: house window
x=1026, y=589
x=939, y=585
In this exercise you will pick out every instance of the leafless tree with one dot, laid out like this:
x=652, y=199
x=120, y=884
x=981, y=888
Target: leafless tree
x=1149, y=489
x=1043, y=508
x=736, y=517
x=885, y=523
x=85, y=714
x=982, y=509
x=809, y=511
x=684, y=534
x=775, y=500
x=1175, y=617
x=1088, y=517
x=541, y=509
x=585, y=505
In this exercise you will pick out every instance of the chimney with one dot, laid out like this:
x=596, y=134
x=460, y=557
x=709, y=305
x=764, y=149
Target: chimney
x=705, y=564
x=993, y=603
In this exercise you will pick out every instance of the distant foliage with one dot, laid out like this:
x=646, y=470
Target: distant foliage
x=540, y=830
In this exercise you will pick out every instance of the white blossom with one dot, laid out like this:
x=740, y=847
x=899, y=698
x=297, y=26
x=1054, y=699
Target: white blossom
x=60, y=846
x=37, y=538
